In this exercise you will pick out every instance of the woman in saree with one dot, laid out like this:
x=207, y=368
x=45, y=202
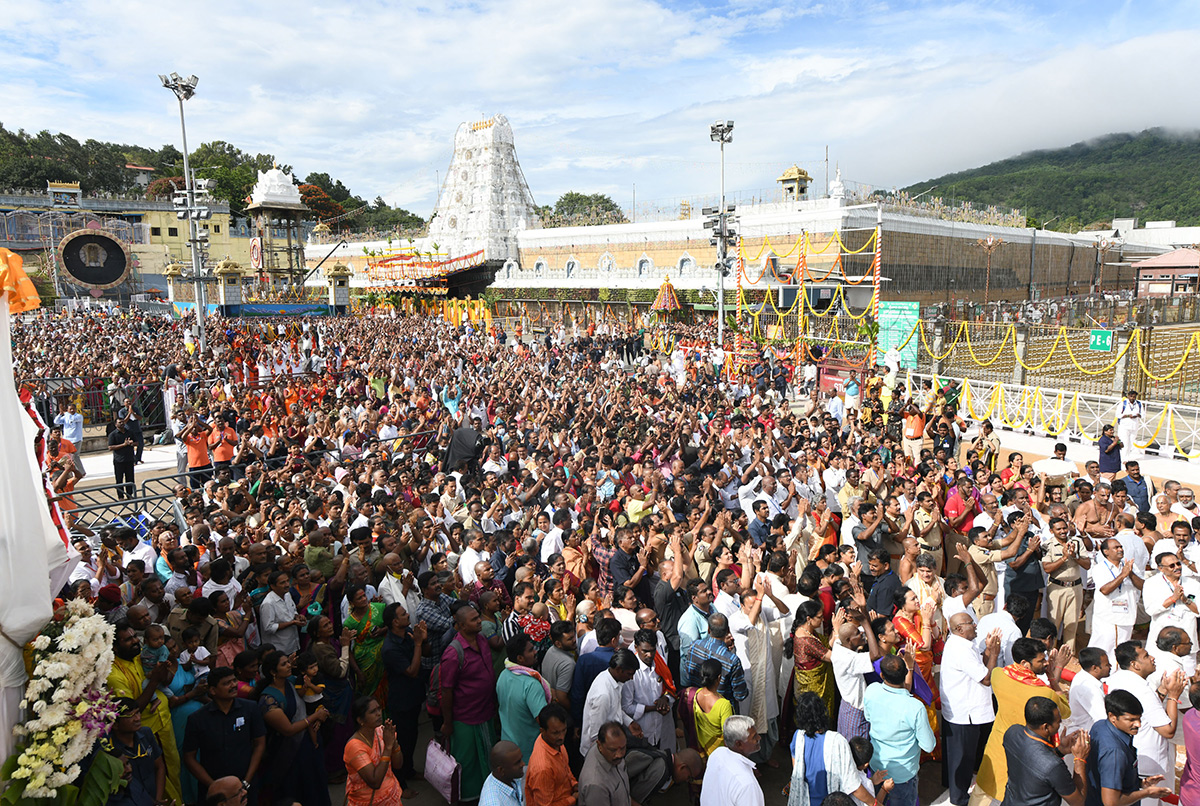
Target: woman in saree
x=371, y=757
x=365, y=628
x=813, y=671
x=231, y=640
x=293, y=769
x=822, y=762
x=333, y=662
x=184, y=699
x=915, y=626
x=703, y=710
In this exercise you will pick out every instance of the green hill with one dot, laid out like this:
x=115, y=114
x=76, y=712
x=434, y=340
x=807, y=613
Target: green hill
x=1153, y=175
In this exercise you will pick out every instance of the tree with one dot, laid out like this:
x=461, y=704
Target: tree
x=573, y=205
x=162, y=187
x=334, y=187
x=317, y=200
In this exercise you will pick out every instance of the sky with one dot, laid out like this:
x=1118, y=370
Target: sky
x=611, y=96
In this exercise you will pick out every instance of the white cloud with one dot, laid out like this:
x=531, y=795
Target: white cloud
x=605, y=94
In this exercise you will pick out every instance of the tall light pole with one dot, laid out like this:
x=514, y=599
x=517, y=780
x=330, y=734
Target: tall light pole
x=721, y=132
x=989, y=244
x=185, y=88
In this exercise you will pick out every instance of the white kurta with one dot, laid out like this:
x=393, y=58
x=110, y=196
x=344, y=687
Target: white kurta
x=637, y=700
x=752, y=642
x=603, y=704
x=1155, y=593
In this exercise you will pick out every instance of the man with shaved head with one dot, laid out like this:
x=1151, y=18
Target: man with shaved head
x=966, y=701
x=850, y=664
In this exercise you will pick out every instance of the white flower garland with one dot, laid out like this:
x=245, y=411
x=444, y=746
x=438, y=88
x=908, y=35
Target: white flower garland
x=67, y=700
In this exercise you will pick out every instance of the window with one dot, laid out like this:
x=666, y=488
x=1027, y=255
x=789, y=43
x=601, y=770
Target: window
x=156, y=231
x=172, y=232
x=216, y=229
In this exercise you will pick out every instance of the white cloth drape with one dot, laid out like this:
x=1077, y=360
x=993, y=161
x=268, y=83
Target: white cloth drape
x=30, y=547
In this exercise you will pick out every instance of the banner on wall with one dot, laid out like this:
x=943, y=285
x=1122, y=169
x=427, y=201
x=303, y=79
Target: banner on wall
x=896, y=321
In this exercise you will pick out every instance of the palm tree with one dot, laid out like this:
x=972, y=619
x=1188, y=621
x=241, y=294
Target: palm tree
x=372, y=299
x=393, y=299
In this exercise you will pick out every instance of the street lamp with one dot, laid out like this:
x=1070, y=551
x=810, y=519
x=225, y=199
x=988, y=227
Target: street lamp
x=721, y=132
x=989, y=244
x=185, y=88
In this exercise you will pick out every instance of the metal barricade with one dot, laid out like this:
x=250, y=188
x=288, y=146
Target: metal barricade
x=96, y=398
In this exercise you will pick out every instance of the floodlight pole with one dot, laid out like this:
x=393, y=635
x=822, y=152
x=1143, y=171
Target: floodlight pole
x=182, y=92
x=721, y=259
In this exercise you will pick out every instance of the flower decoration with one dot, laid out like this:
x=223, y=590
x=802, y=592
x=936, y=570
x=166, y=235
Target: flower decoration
x=67, y=703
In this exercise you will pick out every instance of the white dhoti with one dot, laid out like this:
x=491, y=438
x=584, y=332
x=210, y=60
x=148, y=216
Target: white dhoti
x=1106, y=635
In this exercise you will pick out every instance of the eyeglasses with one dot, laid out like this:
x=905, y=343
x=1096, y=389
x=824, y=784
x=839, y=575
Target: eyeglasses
x=1169, y=566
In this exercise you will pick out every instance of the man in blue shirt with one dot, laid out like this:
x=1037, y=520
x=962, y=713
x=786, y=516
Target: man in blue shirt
x=1112, y=762
x=504, y=787
x=693, y=624
x=1139, y=488
x=719, y=646
x=591, y=664
x=760, y=527
x=899, y=728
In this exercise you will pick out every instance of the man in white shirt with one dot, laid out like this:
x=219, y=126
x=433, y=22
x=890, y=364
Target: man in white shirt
x=1005, y=621
x=1180, y=542
x=1170, y=599
x=1134, y=546
x=644, y=699
x=552, y=543
x=603, y=703
x=399, y=585
x=1172, y=653
x=1130, y=415
x=729, y=777
x=1186, y=505
x=729, y=599
x=1118, y=591
x=1087, y=692
x=1160, y=717
x=850, y=664
x=472, y=554
x=966, y=700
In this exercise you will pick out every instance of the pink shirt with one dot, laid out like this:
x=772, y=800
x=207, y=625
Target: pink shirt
x=472, y=679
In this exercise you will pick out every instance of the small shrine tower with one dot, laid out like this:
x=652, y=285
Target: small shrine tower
x=277, y=211
x=795, y=182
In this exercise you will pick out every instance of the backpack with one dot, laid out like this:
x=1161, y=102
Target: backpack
x=433, y=698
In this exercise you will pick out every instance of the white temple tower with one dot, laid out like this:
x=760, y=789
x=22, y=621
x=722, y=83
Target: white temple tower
x=485, y=198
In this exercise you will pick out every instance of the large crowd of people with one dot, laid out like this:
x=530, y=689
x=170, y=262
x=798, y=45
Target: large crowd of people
x=601, y=573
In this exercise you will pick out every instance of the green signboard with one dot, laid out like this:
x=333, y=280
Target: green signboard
x=1101, y=341
x=896, y=322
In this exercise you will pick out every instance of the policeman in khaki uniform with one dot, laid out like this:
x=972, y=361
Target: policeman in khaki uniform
x=1062, y=560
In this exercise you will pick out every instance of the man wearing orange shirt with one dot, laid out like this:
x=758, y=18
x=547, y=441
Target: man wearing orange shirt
x=548, y=778
x=223, y=441
x=914, y=432
x=195, y=436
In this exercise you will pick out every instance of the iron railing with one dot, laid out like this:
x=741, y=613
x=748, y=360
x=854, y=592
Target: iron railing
x=96, y=398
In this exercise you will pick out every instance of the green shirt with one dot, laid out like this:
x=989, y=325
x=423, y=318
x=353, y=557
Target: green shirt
x=521, y=699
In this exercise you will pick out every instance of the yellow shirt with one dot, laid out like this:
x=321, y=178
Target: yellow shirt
x=127, y=679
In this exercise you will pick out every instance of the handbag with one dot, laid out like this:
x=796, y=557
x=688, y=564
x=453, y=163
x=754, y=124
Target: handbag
x=443, y=772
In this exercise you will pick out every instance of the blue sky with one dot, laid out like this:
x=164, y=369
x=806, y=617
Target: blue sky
x=606, y=96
